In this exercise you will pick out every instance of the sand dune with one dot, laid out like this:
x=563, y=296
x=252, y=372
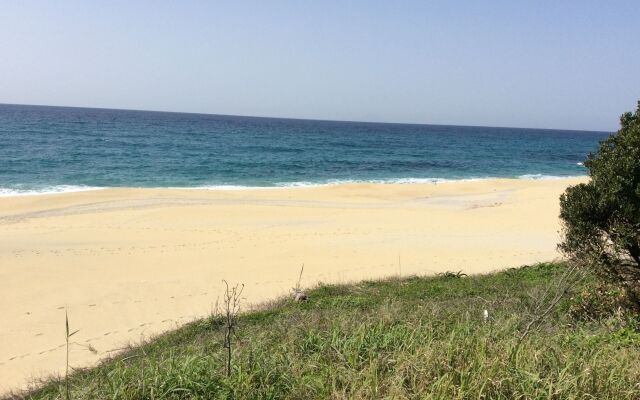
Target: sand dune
x=130, y=263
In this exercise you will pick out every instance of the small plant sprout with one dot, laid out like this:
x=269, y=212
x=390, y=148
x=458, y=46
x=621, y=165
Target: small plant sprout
x=231, y=300
x=68, y=335
x=216, y=313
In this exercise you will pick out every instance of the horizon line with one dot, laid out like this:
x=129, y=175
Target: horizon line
x=301, y=119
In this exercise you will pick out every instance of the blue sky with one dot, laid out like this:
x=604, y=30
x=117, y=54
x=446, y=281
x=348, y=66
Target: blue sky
x=548, y=64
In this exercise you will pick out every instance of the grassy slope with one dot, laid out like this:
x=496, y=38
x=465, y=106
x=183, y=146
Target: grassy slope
x=409, y=338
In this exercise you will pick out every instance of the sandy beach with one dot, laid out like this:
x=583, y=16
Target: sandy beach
x=131, y=263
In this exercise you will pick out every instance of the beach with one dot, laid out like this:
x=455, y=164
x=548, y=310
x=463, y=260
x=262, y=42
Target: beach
x=127, y=263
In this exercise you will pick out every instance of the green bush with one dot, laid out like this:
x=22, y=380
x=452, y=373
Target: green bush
x=602, y=218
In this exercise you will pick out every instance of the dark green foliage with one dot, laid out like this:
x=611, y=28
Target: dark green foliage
x=602, y=218
x=413, y=338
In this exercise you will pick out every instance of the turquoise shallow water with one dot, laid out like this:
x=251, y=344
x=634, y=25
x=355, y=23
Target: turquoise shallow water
x=49, y=149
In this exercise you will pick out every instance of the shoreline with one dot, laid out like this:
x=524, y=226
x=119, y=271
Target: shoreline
x=62, y=189
x=128, y=263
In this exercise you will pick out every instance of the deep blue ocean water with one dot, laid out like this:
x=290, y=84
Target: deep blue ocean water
x=48, y=149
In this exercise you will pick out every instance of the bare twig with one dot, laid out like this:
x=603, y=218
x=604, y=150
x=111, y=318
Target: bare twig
x=547, y=303
x=231, y=300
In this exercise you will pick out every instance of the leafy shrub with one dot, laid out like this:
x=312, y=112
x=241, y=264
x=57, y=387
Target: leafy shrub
x=602, y=218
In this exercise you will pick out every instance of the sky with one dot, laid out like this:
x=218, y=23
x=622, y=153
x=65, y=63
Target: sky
x=540, y=64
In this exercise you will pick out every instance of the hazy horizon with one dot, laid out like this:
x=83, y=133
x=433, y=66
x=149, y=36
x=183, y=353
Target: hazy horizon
x=303, y=119
x=499, y=64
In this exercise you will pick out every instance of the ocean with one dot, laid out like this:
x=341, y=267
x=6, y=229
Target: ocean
x=59, y=149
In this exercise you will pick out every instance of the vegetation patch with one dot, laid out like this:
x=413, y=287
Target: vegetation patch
x=441, y=337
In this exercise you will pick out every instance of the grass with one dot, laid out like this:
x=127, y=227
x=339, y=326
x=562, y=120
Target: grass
x=412, y=338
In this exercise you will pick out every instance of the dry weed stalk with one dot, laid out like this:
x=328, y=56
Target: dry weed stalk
x=231, y=300
x=68, y=335
x=298, y=293
x=548, y=302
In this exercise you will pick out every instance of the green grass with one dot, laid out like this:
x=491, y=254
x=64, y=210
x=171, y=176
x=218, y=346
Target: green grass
x=410, y=338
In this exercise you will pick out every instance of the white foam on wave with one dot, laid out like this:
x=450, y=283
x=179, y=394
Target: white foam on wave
x=224, y=187
x=542, y=176
x=331, y=182
x=400, y=181
x=12, y=192
x=409, y=181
